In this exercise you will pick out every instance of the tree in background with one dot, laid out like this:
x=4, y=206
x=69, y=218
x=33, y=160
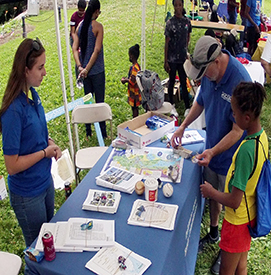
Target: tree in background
x=10, y=9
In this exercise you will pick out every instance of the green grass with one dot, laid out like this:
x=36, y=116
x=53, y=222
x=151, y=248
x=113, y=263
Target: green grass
x=122, y=25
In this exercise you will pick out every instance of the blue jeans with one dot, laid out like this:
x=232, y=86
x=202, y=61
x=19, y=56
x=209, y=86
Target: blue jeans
x=32, y=212
x=95, y=84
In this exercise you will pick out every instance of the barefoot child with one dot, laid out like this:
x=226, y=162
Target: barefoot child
x=242, y=177
x=134, y=96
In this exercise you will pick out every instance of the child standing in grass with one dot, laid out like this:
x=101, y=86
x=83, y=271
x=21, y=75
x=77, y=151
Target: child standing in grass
x=134, y=96
x=177, y=36
x=242, y=177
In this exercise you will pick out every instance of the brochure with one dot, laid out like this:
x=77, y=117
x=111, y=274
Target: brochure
x=189, y=137
x=62, y=170
x=117, y=260
x=153, y=214
x=102, y=201
x=118, y=179
x=100, y=234
x=75, y=235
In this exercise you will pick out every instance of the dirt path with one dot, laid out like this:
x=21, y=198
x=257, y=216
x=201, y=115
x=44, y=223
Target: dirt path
x=17, y=33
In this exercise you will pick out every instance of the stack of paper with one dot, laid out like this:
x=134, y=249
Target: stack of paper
x=118, y=179
x=69, y=236
x=153, y=214
x=58, y=231
x=191, y=136
x=105, y=261
x=102, y=201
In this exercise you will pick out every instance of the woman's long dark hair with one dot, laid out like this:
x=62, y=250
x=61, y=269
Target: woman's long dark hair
x=92, y=7
x=17, y=78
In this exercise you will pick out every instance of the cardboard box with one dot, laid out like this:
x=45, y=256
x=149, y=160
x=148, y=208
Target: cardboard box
x=3, y=189
x=147, y=135
x=205, y=15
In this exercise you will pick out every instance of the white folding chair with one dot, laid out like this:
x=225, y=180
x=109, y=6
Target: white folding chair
x=86, y=158
x=166, y=108
x=10, y=264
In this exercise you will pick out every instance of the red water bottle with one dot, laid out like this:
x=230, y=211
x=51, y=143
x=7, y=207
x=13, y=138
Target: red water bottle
x=48, y=245
x=68, y=189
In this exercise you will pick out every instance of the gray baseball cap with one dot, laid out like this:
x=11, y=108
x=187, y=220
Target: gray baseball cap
x=206, y=51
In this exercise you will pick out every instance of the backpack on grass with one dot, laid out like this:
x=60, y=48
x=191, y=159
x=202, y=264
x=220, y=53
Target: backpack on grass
x=151, y=90
x=263, y=199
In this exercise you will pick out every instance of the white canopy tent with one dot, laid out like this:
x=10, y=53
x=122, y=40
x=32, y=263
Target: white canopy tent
x=60, y=58
x=63, y=84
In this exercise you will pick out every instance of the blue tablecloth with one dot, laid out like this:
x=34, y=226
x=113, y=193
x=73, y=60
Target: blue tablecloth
x=171, y=252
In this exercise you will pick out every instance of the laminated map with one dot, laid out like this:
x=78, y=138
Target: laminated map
x=147, y=162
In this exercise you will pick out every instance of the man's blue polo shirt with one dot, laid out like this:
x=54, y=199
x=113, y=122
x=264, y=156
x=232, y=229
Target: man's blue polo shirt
x=24, y=132
x=216, y=100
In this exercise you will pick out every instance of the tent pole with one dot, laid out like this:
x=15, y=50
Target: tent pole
x=67, y=36
x=153, y=20
x=62, y=76
x=143, y=38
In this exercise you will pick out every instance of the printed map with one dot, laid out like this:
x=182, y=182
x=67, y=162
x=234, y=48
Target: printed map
x=148, y=162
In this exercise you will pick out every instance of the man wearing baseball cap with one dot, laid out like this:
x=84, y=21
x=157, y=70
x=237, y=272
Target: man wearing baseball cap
x=220, y=73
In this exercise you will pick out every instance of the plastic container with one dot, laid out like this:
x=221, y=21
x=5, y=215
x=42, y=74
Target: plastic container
x=151, y=189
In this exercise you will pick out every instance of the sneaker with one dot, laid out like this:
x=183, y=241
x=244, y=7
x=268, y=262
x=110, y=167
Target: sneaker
x=186, y=112
x=205, y=241
x=216, y=265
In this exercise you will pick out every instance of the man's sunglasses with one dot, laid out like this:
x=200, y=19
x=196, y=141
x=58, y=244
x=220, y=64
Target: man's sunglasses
x=199, y=65
x=36, y=46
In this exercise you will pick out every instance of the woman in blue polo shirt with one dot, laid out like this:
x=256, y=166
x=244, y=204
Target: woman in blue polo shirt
x=27, y=148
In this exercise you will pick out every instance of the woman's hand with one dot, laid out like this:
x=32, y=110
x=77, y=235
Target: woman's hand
x=83, y=72
x=58, y=153
x=53, y=151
